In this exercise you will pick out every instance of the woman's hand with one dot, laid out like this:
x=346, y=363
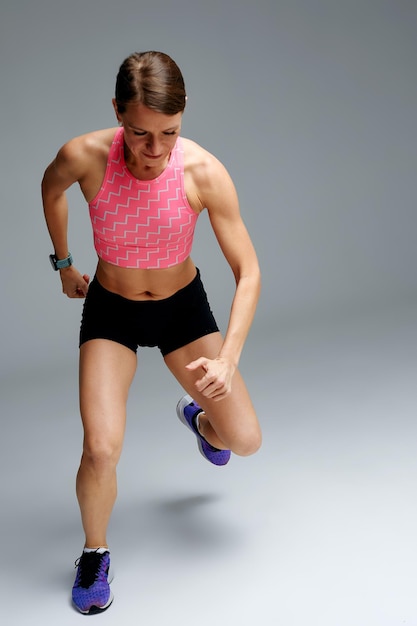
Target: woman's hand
x=217, y=380
x=74, y=285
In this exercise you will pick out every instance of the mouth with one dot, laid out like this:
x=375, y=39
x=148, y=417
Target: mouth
x=153, y=157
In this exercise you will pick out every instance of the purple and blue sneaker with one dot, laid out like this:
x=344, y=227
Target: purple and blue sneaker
x=91, y=591
x=187, y=411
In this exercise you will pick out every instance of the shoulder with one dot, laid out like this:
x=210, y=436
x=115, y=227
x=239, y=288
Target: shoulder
x=201, y=163
x=85, y=149
x=82, y=159
x=207, y=174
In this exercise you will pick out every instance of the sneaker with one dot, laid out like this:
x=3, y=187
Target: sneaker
x=91, y=591
x=187, y=411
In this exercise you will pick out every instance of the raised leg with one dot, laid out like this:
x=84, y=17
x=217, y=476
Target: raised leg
x=229, y=423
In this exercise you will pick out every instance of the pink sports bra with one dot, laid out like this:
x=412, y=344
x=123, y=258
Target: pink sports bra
x=145, y=224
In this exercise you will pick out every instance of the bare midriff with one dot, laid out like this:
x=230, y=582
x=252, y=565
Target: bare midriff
x=142, y=284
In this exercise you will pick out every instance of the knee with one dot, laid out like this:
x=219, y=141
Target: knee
x=100, y=454
x=247, y=442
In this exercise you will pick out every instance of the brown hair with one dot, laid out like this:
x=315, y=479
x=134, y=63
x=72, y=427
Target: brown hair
x=153, y=79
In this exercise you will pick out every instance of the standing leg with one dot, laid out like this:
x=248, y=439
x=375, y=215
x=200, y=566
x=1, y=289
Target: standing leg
x=106, y=372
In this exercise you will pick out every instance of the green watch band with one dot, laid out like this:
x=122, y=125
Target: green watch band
x=60, y=264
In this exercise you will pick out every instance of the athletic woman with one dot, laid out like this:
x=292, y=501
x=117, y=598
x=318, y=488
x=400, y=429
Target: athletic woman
x=145, y=186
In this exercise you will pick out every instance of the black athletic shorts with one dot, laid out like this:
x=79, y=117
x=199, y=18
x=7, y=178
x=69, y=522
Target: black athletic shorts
x=170, y=323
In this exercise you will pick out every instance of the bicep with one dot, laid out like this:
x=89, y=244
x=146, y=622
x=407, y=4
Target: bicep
x=229, y=228
x=235, y=243
x=62, y=172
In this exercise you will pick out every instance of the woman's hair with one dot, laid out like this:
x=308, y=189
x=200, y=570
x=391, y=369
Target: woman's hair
x=153, y=79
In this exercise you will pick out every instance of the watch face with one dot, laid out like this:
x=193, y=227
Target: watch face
x=52, y=259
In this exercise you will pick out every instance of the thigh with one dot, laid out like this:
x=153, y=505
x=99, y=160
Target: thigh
x=233, y=418
x=107, y=369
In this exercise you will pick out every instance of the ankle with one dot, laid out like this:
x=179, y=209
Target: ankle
x=99, y=548
x=207, y=432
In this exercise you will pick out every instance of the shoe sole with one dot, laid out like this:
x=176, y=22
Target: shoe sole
x=185, y=401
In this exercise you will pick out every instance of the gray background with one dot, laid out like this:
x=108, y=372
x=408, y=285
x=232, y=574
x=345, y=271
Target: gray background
x=311, y=106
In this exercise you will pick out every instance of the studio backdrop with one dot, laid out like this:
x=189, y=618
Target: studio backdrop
x=310, y=104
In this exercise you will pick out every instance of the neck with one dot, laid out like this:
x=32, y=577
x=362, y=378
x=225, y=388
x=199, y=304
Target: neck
x=140, y=170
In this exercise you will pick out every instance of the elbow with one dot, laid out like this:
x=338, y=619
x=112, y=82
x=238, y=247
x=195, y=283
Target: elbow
x=44, y=185
x=250, y=276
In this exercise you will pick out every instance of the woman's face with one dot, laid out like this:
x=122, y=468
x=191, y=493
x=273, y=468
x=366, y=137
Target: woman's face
x=150, y=136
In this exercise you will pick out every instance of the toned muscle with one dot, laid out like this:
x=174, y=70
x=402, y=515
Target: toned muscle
x=91, y=150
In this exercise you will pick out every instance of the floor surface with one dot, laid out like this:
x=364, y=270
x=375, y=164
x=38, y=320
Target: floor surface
x=317, y=529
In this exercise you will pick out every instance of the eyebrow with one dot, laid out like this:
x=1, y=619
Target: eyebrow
x=171, y=128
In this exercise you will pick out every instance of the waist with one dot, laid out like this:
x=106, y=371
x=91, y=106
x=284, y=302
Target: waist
x=141, y=284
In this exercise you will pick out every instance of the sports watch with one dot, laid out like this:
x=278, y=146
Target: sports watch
x=59, y=264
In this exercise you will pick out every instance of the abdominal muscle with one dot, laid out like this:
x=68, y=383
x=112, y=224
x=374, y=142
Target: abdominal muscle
x=141, y=284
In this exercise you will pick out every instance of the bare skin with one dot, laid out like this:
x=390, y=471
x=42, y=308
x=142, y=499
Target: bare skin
x=207, y=368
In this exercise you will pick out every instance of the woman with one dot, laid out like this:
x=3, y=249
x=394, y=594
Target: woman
x=145, y=186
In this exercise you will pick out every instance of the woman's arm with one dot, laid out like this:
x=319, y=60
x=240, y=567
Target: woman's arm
x=219, y=196
x=67, y=168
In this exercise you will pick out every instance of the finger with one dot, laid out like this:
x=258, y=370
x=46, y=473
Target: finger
x=202, y=385
x=201, y=362
x=219, y=394
x=210, y=386
x=75, y=294
x=215, y=395
x=81, y=292
x=205, y=381
x=83, y=288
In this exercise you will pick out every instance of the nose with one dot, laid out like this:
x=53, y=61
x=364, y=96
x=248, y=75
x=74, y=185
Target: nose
x=153, y=145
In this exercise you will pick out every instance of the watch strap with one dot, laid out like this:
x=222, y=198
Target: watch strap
x=60, y=264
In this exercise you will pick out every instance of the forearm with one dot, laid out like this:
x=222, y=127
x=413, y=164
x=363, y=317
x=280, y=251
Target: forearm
x=56, y=215
x=241, y=316
x=74, y=285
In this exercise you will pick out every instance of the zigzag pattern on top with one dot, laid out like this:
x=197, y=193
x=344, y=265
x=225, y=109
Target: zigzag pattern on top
x=142, y=224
